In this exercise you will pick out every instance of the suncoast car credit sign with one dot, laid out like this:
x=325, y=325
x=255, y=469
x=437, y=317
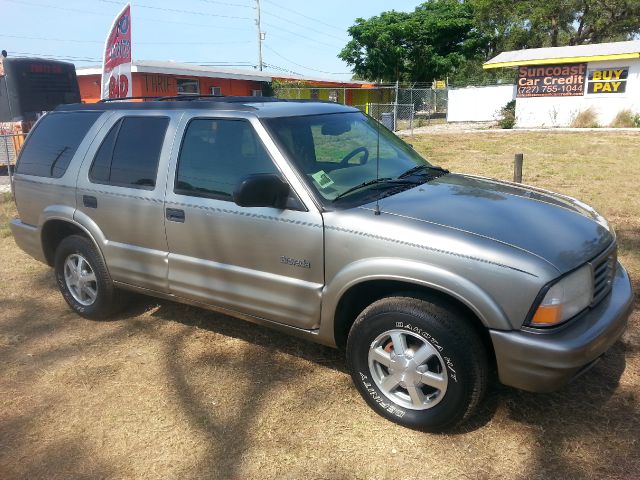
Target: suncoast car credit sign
x=552, y=80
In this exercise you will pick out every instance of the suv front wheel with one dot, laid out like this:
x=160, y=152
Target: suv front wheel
x=417, y=363
x=83, y=279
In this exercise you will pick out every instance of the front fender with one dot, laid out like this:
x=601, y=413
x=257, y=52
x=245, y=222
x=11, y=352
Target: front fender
x=420, y=274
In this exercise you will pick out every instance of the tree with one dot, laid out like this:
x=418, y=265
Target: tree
x=426, y=44
x=512, y=25
x=518, y=24
x=453, y=38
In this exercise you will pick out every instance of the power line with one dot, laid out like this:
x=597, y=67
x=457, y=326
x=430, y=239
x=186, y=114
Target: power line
x=101, y=14
x=228, y=4
x=176, y=10
x=281, y=69
x=56, y=57
x=305, y=27
x=48, y=39
x=56, y=7
x=298, y=35
x=290, y=10
x=97, y=60
x=305, y=67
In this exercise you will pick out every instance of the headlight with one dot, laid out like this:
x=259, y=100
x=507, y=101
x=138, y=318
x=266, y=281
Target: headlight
x=565, y=299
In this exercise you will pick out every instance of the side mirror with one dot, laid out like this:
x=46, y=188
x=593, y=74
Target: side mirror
x=262, y=190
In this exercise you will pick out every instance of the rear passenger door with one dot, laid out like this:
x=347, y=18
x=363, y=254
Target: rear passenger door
x=120, y=190
x=263, y=262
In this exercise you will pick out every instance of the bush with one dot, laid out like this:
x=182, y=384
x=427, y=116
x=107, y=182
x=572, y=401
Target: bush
x=585, y=119
x=626, y=119
x=507, y=115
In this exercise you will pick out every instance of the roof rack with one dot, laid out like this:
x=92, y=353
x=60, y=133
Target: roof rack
x=219, y=98
x=190, y=98
x=122, y=99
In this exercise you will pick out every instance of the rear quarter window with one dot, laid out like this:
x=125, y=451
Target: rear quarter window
x=53, y=143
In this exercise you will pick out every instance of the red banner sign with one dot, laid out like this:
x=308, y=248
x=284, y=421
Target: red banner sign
x=116, y=65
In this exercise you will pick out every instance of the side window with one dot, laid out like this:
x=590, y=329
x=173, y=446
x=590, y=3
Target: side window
x=129, y=154
x=216, y=155
x=54, y=142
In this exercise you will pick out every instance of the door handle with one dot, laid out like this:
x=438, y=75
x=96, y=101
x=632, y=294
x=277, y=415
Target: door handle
x=175, y=215
x=90, y=201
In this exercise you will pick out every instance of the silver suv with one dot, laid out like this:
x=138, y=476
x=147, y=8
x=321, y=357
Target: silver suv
x=311, y=218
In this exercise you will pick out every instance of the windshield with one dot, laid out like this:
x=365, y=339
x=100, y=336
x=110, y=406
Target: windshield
x=337, y=153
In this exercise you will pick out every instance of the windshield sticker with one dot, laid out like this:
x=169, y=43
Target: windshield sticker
x=322, y=179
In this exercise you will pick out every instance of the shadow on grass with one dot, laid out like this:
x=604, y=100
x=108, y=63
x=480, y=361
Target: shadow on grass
x=574, y=419
x=577, y=419
x=231, y=432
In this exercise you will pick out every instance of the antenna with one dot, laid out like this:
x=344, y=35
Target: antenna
x=376, y=211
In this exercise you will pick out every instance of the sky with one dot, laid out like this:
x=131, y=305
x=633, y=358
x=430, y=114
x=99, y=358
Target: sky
x=301, y=36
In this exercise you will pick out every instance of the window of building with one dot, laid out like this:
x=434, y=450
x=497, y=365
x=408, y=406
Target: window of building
x=216, y=155
x=129, y=154
x=188, y=86
x=54, y=142
x=333, y=95
x=315, y=94
x=216, y=91
x=256, y=93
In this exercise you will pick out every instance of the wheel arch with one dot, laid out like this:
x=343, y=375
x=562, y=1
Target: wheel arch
x=56, y=229
x=354, y=289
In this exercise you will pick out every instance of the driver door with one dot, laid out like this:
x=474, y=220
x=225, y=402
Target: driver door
x=258, y=261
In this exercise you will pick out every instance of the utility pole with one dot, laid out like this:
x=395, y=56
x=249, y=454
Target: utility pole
x=260, y=35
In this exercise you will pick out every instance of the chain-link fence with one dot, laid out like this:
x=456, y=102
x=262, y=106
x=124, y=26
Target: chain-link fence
x=397, y=107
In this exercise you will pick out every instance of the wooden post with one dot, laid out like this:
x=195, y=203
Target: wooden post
x=517, y=168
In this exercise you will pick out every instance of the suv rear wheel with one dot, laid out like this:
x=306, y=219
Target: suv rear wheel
x=417, y=363
x=83, y=279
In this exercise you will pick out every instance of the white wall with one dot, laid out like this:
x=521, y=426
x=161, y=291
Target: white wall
x=478, y=104
x=559, y=111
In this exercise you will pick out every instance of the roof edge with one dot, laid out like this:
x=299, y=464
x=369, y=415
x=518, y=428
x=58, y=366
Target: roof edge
x=555, y=61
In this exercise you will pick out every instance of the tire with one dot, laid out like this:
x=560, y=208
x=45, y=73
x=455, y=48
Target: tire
x=83, y=279
x=417, y=362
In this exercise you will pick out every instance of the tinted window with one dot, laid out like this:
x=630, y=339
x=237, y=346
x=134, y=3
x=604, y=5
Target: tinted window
x=54, y=142
x=101, y=168
x=130, y=153
x=216, y=155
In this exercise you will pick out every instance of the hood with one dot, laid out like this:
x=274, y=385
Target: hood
x=558, y=229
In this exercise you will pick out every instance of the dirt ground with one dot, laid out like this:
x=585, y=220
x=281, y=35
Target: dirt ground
x=172, y=392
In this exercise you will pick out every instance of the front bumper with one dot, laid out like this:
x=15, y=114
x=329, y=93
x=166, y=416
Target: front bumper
x=545, y=361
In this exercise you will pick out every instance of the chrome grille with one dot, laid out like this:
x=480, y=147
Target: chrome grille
x=604, y=269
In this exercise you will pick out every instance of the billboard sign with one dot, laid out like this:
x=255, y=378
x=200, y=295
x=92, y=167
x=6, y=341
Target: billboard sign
x=116, y=64
x=552, y=80
x=608, y=80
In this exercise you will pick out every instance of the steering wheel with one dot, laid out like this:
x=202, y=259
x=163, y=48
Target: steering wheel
x=353, y=153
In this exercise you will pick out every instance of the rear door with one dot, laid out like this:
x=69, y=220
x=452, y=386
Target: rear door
x=263, y=262
x=121, y=187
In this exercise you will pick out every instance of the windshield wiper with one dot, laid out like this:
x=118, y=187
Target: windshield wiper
x=376, y=181
x=420, y=168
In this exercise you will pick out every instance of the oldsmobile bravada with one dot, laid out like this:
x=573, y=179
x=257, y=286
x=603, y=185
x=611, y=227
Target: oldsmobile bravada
x=313, y=219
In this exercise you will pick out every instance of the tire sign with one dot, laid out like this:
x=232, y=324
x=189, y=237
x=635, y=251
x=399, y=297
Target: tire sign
x=116, y=65
x=608, y=80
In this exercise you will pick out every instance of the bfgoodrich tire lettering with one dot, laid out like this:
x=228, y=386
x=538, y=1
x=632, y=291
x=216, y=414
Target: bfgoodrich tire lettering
x=417, y=362
x=83, y=279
